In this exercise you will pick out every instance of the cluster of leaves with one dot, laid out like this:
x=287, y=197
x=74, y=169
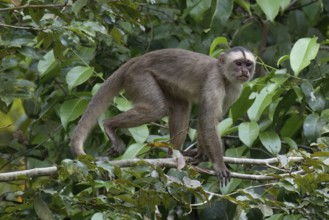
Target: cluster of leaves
x=53, y=55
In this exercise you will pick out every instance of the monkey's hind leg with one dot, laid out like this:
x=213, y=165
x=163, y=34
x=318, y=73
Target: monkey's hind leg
x=149, y=105
x=179, y=115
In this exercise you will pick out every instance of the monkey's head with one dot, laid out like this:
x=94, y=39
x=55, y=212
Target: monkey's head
x=238, y=64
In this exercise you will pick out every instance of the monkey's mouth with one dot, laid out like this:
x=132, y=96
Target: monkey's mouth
x=243, y=78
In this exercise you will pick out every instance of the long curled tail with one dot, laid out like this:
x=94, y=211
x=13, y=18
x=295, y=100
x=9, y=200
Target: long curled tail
x=98, y=104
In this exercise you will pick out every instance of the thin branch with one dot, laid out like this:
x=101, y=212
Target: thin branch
x=16, y=175
x=32, y=6
x=164, y=162
x=291, y=8
x=324, y=47
x=20, y=27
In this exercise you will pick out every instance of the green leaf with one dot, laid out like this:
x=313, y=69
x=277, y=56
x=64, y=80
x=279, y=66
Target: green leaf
x=47, y=63
x=248, y=132
x=240, y=107
x=292, y=144
x=140, y=133
x=270, y=8
x=133, y=151
x=42, y=209
x=244, y=4
x=30, y=52
x=71, y=110
x=217, y=41
x=78, y=75
x=284, y=4
x=78, y=5
x=222, y=12
x=271, y=141
x=292, y=125
x=312, y=126
x=224, y=126
x=117, y=35
x=122, y=104
x=192, y=134
x=314, y=99
x=198, y=9
x=263, y=99
x=282, y=59
x=303, y=51
x=276, y=217
x=98, y=216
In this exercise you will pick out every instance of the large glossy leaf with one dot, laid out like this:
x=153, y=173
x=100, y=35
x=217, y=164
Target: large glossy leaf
x=222, y=12
x=284, y=4
x=78, y=5
x=271, y=141
x=47, y=63
x=292, y=144
x=314, y=99
x=140, y=133
x=217, y=41
x=123, y=104
x=303, y=51
x=78, y=75
x=312, y=126
x=270, y=8
x=292, y=125
x=240, y=107
x=98, y=216
x=42, y=210
x=263, y=99
x=224, y=125
x=134, y=150
x=71, y=110
x=248, y=132
x=198, y=9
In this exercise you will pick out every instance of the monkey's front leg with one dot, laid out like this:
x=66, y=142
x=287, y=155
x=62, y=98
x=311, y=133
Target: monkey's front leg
x=211, y=145
x=210, y=142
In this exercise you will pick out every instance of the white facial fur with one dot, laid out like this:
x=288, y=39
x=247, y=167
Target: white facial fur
x=237, y=55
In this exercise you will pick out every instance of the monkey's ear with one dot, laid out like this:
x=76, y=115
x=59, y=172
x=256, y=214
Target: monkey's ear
x=222, y=58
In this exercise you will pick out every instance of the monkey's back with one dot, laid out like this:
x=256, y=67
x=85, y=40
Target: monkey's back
x=179, y=72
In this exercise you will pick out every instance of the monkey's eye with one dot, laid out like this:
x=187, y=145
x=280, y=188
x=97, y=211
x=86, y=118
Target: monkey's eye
x=238, y=63
x=248, y=64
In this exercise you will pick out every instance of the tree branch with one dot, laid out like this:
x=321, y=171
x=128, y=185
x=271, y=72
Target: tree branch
x=19, y=27
x=164, y=162
x=32, y=6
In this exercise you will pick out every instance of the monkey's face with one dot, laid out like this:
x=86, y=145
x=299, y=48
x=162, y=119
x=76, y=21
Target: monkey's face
x=239, y=66
x=243, y=69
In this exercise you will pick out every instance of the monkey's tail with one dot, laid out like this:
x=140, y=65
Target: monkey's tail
x=98, y=104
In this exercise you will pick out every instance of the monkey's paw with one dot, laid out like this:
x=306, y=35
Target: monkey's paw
x=195, y=157
x=190, y=153
x=223, y=174
x=116, y=149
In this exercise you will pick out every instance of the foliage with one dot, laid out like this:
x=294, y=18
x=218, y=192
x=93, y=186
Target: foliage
x=55, y=54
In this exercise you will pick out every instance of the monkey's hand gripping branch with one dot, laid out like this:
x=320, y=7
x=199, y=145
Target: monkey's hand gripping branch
x=222, y=173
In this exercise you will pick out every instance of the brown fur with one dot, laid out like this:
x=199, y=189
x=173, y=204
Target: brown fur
x=168, y=82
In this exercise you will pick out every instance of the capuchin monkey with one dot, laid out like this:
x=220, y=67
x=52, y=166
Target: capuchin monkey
x=167, y=82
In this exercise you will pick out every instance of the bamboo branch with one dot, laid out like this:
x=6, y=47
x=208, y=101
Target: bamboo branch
x=164, y=162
